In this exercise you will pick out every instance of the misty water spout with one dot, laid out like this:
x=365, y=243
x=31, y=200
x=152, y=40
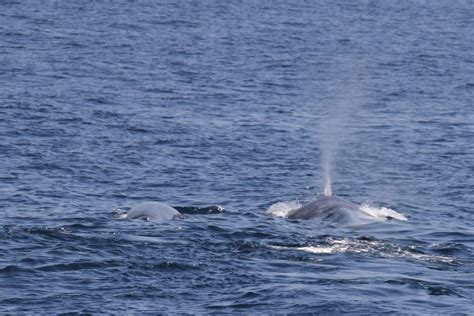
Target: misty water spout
x=332, y=131
x=327, y=183
x=333, y=126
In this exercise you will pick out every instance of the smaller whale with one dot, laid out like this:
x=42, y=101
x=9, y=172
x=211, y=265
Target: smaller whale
x=150, y=211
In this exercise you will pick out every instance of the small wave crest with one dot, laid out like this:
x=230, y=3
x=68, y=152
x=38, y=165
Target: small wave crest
x=281, y=209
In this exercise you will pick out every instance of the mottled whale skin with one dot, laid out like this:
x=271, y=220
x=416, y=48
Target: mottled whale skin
x=151, y=211
x=327, y=208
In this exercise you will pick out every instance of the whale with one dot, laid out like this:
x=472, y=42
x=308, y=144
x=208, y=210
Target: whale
x=331, y=208
x=336, y=210
x=150, y=211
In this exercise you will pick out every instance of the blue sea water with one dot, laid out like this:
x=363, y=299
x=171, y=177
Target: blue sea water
x=213, y=104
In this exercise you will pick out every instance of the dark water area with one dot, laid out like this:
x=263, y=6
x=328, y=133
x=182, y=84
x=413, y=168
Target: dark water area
x=206, y=105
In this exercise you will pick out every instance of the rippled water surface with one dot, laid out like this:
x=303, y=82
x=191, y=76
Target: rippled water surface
x=241, y=105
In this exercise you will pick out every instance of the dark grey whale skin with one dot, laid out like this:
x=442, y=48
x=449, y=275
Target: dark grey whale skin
x=326, y=207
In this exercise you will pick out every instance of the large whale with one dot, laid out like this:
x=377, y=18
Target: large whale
x=151, y=211
x=333, y=209
x=336, y=210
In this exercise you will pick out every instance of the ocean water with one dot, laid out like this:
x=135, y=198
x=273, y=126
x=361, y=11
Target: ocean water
x=246, y=107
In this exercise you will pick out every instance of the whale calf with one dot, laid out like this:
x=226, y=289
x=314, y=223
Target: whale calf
x=151, y=211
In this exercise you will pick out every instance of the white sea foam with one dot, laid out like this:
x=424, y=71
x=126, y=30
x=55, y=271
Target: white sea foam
x=324, y=249
x=380, y=248
x=281, y=209
x=335, y=246
x=381, y=212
